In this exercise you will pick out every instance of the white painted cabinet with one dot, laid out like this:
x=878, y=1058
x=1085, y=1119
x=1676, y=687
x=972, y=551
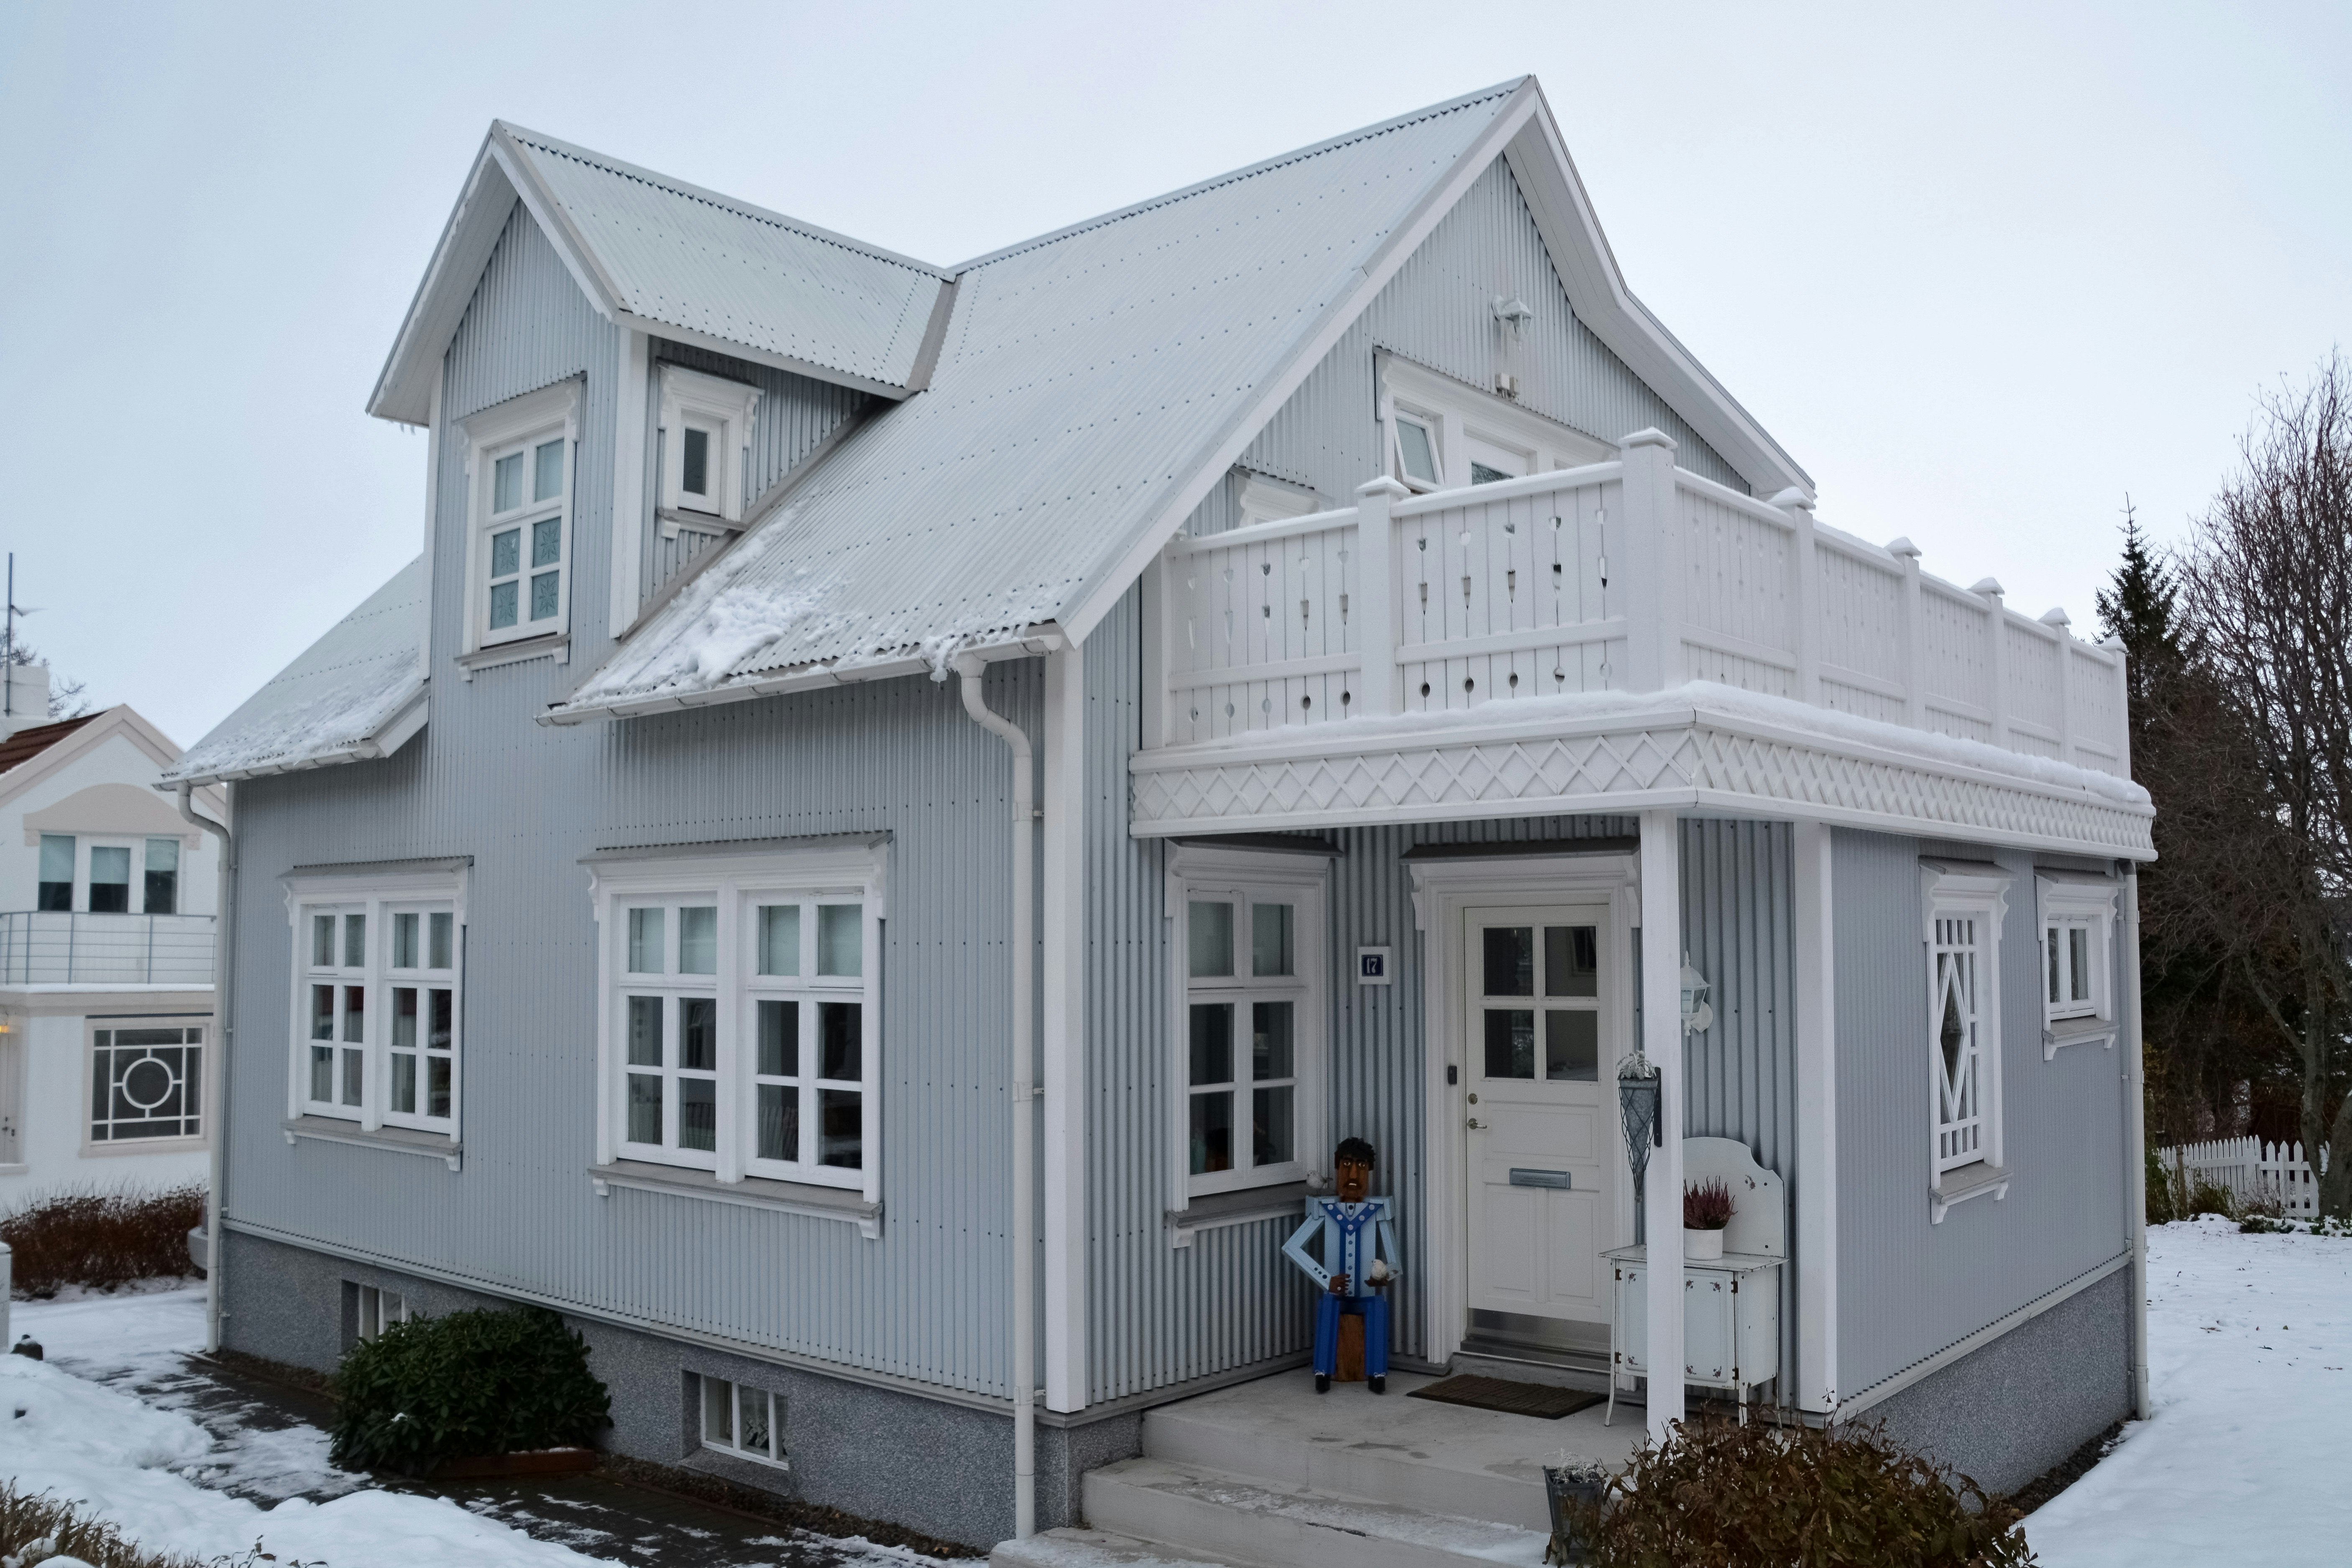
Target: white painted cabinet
x=1731, y=1322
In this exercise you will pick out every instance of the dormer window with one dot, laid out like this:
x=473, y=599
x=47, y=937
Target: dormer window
x=518, y=567
x=1444, y=434
x=706, y=443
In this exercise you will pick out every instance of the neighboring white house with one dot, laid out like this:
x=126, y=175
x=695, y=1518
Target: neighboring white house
x=106, y=956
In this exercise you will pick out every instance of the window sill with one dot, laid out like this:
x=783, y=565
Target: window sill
x=672, y=519
x=751, y=1192
x=2076, y=1032
x=547, y=645
x=1968, y=1181
x=392, y=1140
x=1218, y=1210
x=112, y=1148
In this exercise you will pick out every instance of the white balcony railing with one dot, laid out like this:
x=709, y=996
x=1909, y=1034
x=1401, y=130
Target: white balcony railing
x=1630, y=575
x=57, y=947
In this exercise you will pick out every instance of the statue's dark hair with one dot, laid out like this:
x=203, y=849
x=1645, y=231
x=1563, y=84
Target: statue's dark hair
x=1355, y=1151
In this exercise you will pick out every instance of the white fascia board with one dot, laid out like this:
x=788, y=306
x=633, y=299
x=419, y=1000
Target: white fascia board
x=1597, y=291
x=404, y=389
x=1208, y=469
x=654, y=326
x=395, y=732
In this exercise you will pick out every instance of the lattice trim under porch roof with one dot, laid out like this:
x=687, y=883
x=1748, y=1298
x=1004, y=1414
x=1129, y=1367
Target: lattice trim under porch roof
x=1698, y=746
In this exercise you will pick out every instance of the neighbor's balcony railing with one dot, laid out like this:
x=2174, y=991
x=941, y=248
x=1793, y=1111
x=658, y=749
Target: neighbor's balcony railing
x=54, y=947
x=1630, y=575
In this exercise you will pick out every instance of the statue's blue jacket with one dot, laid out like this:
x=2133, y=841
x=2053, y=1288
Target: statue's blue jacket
x=1348, y=1241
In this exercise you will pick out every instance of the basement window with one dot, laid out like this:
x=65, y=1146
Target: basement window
x=746, y=1422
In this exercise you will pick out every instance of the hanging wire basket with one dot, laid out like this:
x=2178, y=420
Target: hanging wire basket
x=1637, y=1105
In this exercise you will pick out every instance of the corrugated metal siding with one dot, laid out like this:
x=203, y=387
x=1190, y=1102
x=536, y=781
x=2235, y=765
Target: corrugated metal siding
x=1438, y=311
x=1908, y=1288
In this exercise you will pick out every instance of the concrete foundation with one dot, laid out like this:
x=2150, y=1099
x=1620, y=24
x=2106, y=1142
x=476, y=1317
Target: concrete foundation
x=943, y=1468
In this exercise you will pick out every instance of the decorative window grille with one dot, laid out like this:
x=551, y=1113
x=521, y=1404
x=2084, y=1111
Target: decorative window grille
x=1964, y=903
x=146, y=1083
x=1960, y=1087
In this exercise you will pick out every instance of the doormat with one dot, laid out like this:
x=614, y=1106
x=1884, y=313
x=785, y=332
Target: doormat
x=1536, y=1399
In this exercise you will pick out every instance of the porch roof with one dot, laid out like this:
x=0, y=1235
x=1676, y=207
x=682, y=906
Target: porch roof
x=1699, y=745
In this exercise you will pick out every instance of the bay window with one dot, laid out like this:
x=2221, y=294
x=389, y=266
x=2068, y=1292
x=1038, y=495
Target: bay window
x=742, y=1016
x=377, y=1010
x=1250, y=1030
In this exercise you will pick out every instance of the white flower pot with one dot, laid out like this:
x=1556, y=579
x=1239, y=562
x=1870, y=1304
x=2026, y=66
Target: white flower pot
x=1704, y=1246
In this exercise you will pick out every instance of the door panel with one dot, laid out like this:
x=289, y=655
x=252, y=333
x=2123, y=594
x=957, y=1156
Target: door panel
x=1538, y=1055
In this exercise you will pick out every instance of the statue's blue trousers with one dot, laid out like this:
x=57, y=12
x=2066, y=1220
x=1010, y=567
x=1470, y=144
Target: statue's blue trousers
x=1373, y=1310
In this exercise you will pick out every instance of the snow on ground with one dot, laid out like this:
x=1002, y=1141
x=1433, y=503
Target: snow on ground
x=2243, y=1461
x=118, y=1417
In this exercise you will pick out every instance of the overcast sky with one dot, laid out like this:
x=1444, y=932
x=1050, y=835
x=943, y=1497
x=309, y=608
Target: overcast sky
x=1982, y=269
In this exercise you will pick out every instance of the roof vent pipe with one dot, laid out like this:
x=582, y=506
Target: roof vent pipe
x=1024, y=1103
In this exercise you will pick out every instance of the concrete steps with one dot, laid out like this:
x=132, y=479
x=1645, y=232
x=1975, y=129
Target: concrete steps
x=1094, y=1549
x=1198, y=1511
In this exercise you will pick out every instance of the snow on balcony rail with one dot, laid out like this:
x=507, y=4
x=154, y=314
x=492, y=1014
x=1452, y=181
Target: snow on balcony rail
x=61, y=947
x=1628, y=576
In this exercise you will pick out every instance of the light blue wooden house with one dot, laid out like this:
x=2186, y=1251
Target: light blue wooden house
x=902, y=811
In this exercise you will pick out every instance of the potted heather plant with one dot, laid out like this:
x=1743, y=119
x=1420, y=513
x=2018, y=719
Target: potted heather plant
x=1706, y=1210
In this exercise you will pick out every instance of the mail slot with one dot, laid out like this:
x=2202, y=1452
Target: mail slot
x=1539, y=1178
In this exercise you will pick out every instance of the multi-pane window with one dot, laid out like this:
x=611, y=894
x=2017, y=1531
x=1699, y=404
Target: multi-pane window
x=2066, y=946
x=744, y=1421
x=146, y=1082
x=1963, y=905
x=1251, y=1033
x=122, y=877
x=2078, y=922
x=1539, y=1001
x=524, y=526
x=378, y=1016
x=742, y=1023
x=375, y=1308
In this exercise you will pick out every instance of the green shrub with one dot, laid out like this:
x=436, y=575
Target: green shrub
x=433, y=1389
x=2161, y=1207
x=1720, y=1496
x=102, y=1239
x=2211, y=1198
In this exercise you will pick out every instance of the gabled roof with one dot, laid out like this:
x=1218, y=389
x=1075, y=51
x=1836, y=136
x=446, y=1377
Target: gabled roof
x=358, y=692
x=1093, y=385
x=668, y=257
x=26, y=744
x=31, y=757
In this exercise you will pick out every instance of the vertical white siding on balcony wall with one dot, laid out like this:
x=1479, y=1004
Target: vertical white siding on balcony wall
x=1438, y=311
x=1907, y=1287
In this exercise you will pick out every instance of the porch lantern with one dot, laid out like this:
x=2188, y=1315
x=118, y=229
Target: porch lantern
x=1698, y=1015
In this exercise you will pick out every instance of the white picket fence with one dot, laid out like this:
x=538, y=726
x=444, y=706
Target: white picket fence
x=2252, y=1170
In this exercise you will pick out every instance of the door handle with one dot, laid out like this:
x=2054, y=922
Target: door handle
x=1474, y=1124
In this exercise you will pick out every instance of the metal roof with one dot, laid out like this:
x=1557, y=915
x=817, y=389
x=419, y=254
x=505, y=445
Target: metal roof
x=677, y=256
x=1086, y=379
x=357, y=692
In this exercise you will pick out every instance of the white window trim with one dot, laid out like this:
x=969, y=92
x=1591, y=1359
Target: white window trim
x=778, y=1407
x=1978, y=892
x=734, y=882
x=1459, y=415
x=1270, y=500
x=93, y=1148
x=707, y=400
x=1303, y=881
x=85, y=841
x=529, y=420
x=379, y=895
x=2070, y=900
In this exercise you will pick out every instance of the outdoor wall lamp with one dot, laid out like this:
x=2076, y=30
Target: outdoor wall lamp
x=1698, y=1015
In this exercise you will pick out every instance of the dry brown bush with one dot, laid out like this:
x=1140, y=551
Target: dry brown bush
x=101, y=1239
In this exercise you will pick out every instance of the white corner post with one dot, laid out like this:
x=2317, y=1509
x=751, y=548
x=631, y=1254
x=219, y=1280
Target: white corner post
x=1816, y=999
x=1023, y=1046
x=1662, y=1041
x=1064, y=825
x=2135, y=1147
x=1653, y=550
x=1805, y=601
x=1374, y=607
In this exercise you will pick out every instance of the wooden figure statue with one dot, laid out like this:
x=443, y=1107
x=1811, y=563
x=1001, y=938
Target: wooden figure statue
x=1352, y=1273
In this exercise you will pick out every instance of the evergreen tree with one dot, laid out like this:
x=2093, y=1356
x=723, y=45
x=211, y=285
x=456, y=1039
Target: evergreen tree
x=2139, y=608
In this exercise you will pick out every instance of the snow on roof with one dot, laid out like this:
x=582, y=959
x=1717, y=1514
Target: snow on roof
x=1082, y=379
x=355, y=693
x=679, y=255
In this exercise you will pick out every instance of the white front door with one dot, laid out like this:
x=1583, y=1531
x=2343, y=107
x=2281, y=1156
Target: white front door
x=1540, y=1057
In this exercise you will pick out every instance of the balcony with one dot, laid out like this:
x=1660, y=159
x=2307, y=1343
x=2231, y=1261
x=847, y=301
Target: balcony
x=57, y=947
x=1631, y=590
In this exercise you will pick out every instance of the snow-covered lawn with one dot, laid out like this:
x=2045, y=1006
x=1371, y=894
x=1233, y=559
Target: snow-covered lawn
x=101, y=1421
x=2248, y=1456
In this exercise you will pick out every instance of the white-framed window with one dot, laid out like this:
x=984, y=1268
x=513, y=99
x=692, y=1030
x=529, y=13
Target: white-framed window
x=706, y=443
x=1443, y=434
x=146, y=1083
x=378, y=1008
x=105, y=874
x=744, y=1421
x=376, y=1310
x=1252, y=1039
x=743, y=1024
x=2078, y=925
x=520, y=459
x=1964, y=904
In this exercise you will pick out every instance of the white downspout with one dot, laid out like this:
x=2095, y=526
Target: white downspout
x=1024, y=1371
x=2136, y=1147
x=224, y=1030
